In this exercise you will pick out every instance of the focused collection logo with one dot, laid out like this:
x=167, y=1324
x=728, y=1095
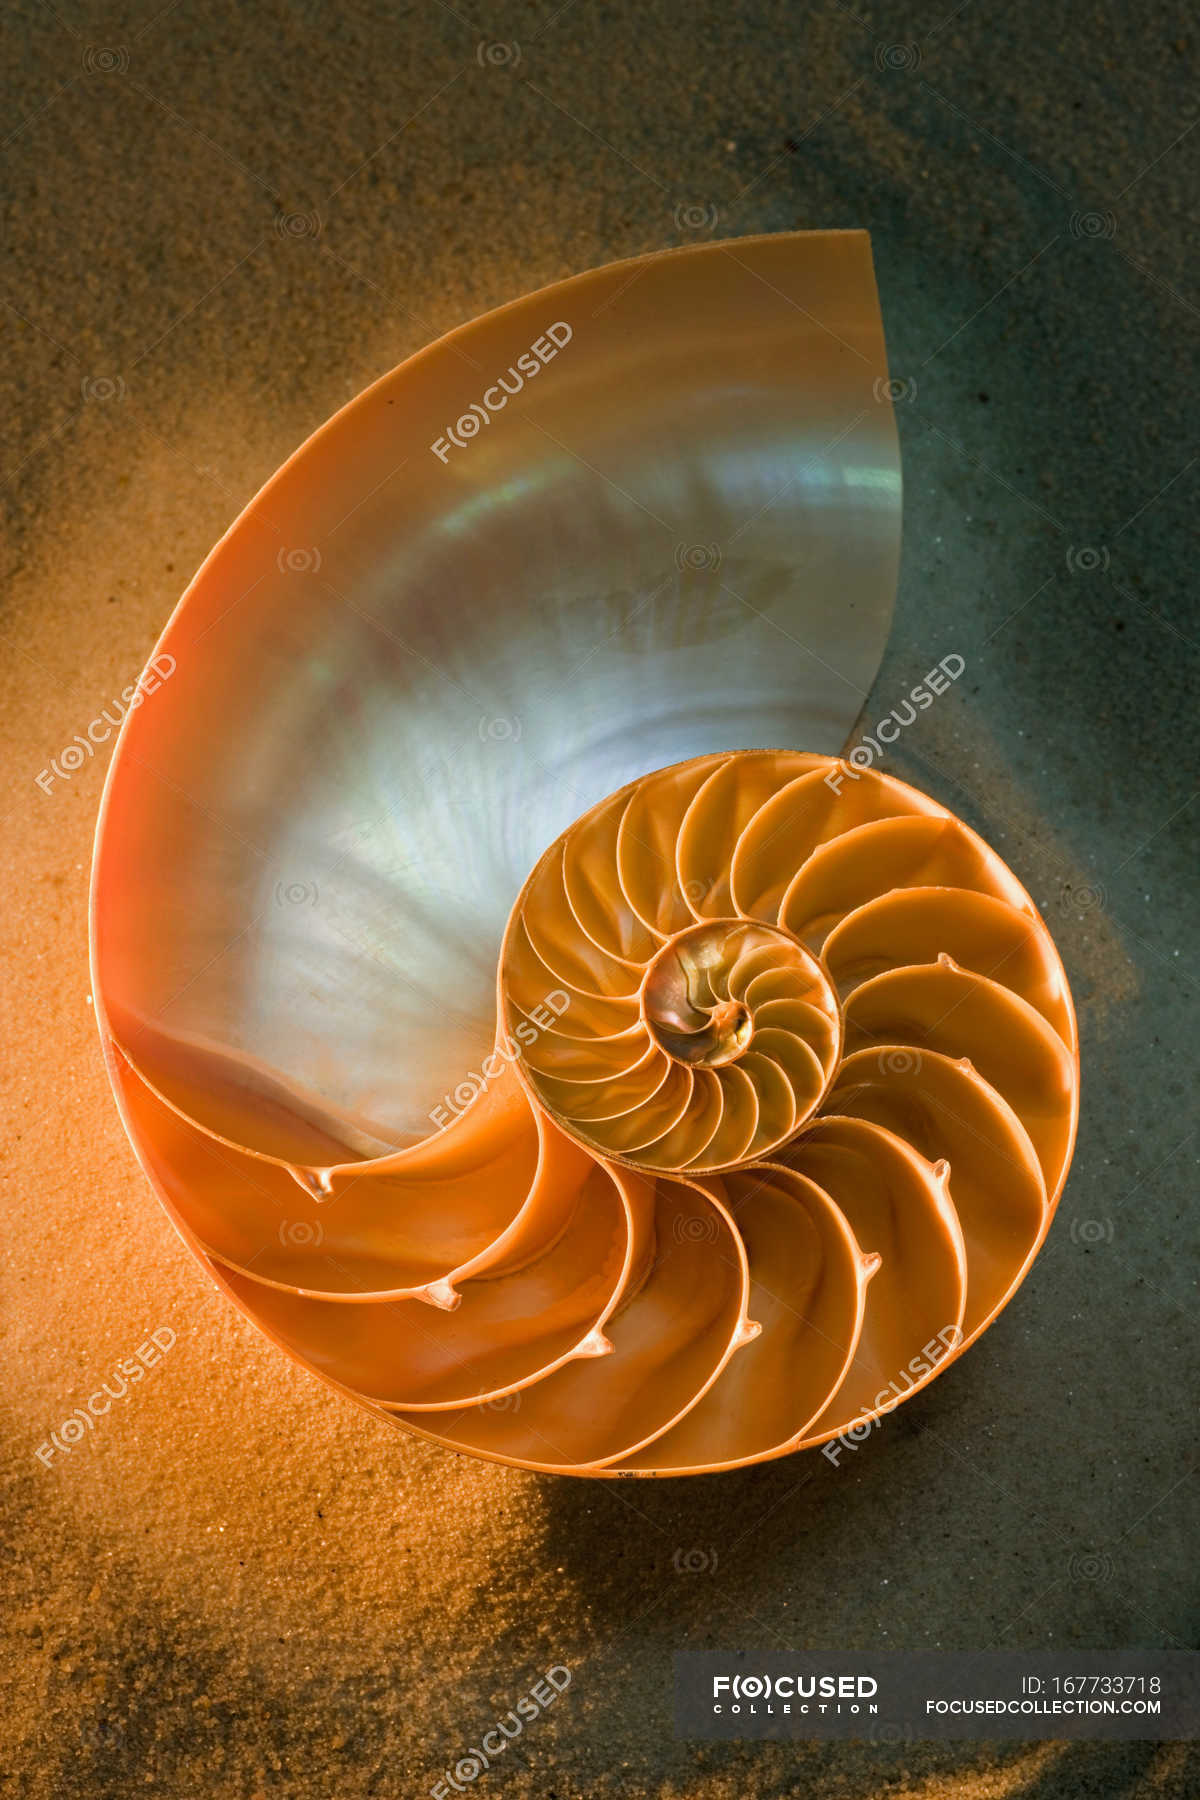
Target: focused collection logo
x=825, y=1692
x=869, y=749
x=82, y=747
x=506, y=387
x=478, y=1758
x=526, y=1031
x=888, y=1398
x=129, y=1371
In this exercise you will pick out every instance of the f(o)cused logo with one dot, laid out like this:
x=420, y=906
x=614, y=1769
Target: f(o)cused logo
x=301, y=1234
x=900, y=1062
x=298, y=224
x=298, y=562
x=1091, y=1565
x=696, y=218
x=497, y=56
x=898, y=56
x=896, y=389
x=1091, y=1231
x=499, y=731
x=1086, y=559
x=296, y=893
x=102, y=388
x=695, y=1229
x=106, y=59
x=698, y=558
x=1093, y=224
x=695, y=1562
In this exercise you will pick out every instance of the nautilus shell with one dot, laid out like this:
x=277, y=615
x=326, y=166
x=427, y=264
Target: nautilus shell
x=545, y=1070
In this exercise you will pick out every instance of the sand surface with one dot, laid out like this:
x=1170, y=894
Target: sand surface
x=238, y=1586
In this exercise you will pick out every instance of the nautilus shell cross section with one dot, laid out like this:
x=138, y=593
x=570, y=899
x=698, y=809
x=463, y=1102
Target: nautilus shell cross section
x=722, y=1124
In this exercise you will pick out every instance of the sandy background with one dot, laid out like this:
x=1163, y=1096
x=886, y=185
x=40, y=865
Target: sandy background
x=238, y=1586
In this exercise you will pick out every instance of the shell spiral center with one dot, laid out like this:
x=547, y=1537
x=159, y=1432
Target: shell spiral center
x=693, y=1000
